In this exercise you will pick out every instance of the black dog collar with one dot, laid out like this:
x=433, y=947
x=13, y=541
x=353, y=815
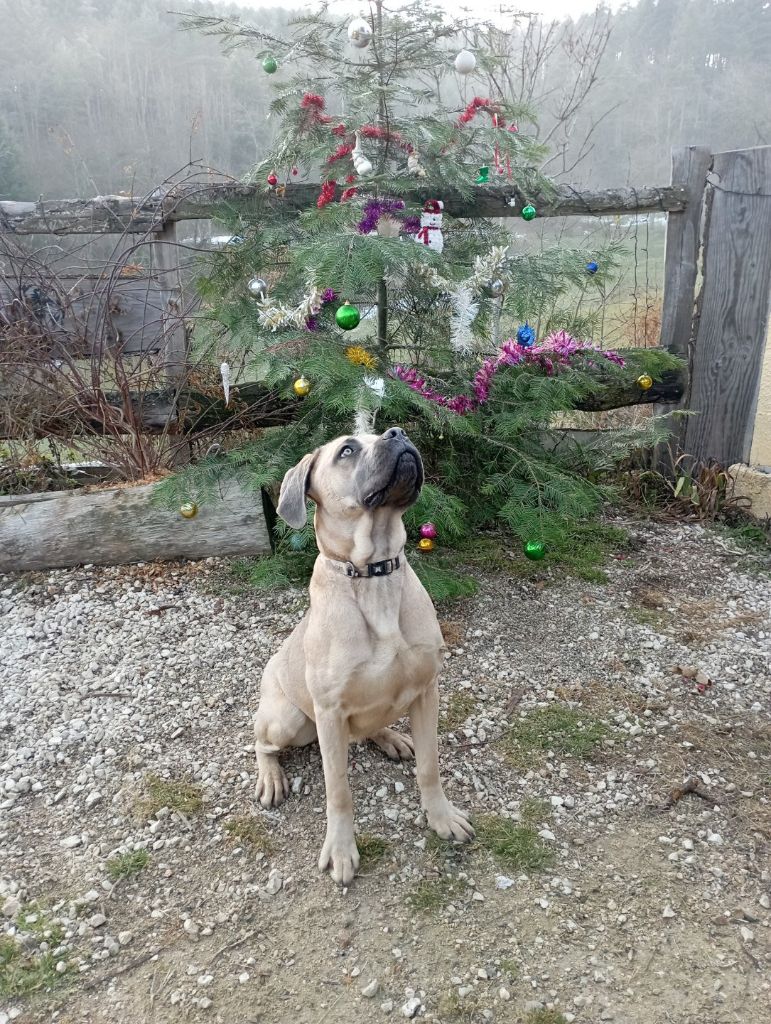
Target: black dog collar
x=384, y=568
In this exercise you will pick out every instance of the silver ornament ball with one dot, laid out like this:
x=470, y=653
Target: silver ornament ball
x=359, y=33
x=493, y=289
x=258, y=287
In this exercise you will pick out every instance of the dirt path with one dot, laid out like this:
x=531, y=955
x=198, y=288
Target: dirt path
x=595, y=891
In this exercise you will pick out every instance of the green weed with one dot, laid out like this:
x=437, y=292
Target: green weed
x=566, y=731
x=126, y=865
x=515, y=847
x=176, y=794
x=372, y=849
x=250, y=830
x=433, y=894
x=459, y=706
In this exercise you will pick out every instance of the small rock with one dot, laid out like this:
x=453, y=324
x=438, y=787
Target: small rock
x=687, y=844
x=191, y=927
x=546, y=833
x=503, y=882
x=97, y=920
x=124, y=938
x=274, y=883
x=765, y=901
x=504, y=994
x=411, y=1007
x=399, y=787
x=205, y=979
x=747, y=934
x=465, y=990
x=71, y=842
x=371, y=990
x=92, y=799
x=204, y=1002
x=482, y=974
x=478, y=897
x=243, y=977
x=11, y=907
x=667, y=911
x=715, y=838
x=387, y=1005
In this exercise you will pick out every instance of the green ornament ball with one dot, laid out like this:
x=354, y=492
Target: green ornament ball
x=483, y=177
x=528, y=212
x=347, y=317
x=535, y=550
x=270, y=65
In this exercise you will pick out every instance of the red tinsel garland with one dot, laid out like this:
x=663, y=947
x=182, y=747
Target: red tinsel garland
x=327, y=194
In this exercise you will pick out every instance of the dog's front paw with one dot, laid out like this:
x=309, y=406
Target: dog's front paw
x=340, y=855
x=450, y=823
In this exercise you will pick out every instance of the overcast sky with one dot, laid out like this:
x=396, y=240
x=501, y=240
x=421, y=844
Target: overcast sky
x=486, y=9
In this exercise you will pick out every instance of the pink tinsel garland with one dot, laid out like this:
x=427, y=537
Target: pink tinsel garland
x=555, y=351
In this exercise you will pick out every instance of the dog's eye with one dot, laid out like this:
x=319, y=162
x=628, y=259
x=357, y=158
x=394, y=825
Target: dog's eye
x=346, y=452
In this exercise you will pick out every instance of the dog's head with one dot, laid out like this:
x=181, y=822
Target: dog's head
x=353, y=478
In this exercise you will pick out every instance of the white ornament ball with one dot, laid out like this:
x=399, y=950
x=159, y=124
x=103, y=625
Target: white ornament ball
x=465, y=62
x=359, y=33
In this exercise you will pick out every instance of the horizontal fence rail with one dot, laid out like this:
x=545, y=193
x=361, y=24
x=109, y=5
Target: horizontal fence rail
x=118, y=214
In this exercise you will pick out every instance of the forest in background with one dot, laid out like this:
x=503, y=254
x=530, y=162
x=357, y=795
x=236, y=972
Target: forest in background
x=101, y=96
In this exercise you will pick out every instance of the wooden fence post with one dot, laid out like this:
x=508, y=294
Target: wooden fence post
x=681, y=266
x=733, y=309
x=174, y=342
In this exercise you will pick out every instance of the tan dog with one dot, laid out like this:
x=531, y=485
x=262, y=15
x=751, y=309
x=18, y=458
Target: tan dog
x=369, y=649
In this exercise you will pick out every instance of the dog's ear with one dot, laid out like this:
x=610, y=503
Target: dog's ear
x=294, y=488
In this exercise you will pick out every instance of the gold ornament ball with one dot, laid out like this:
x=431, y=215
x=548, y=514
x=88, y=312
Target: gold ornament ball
x=426, y=544
x=301, y=387
x=645, y=381
x=189, y=510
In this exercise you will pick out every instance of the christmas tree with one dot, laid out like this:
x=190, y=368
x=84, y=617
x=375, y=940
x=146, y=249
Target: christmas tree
x=371, y=306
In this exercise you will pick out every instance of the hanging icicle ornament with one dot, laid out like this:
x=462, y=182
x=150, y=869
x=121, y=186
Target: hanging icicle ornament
x=347, y=317
x=258, y=287
x=368, y=405
x=225, y=376
x=270, y=65
x=465, y=62
x=360, y=33
x=361, y=164
x=464, y=313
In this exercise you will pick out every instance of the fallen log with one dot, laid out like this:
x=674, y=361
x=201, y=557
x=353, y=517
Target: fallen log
x=120, y=525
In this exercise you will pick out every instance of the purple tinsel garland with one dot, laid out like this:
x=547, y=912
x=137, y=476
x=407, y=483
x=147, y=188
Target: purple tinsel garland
x=374, y=209
x=554, y=352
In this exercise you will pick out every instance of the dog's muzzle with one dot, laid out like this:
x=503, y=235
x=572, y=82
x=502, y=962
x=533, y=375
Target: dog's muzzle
x=395, y=474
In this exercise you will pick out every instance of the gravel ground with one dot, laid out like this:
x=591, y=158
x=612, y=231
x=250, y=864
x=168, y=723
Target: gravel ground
x=125, y=746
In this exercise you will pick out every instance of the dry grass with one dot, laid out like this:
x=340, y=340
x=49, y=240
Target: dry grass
x=250, y=831
x=459, y=706
x=176, y=794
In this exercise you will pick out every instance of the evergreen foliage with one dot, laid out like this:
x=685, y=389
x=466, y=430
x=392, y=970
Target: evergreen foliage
x=494, y=463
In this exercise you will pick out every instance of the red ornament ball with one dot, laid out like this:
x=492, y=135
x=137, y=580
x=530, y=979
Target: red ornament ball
x=295, y=172
x=273, y=179
x=429, y=530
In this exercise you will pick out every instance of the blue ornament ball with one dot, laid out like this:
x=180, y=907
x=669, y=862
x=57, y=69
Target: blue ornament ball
x=525, y=336
x=592, y=267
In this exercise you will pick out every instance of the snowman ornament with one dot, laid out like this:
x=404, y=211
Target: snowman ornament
x=430, y=233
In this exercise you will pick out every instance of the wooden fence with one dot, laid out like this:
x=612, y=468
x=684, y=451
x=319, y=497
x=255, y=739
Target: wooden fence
x=716, y=290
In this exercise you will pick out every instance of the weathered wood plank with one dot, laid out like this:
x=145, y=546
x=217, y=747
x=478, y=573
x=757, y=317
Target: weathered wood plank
x=681, y=254
x=734, y=308
x=111, y=214
x=114, y=527
x=690, y=165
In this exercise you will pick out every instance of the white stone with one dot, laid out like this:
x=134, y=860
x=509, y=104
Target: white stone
x=71, y=842
x=97, y=920
x=274, y=883
x=504, y=994
x=205, y=979
x=243, y=977
x=411, y=1007
x=747, y=934
x=371, y=990
x=124, y=938
x=387, y=1005
x=11, y=907
x=667, y=911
